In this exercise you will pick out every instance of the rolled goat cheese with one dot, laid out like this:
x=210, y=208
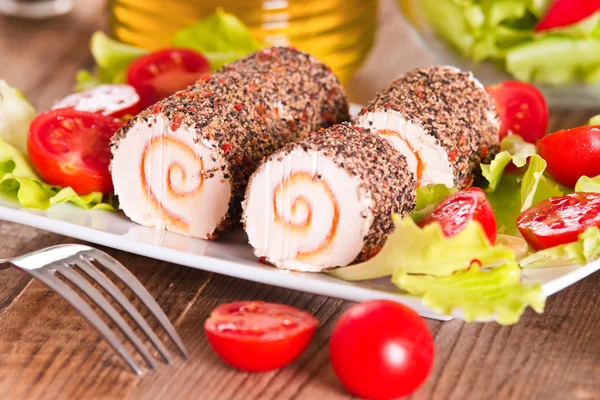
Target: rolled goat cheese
x=327, y=200
x=183, y=164
x=441, y=119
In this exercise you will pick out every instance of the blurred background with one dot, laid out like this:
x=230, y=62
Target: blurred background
x=362, y=40
x=366, y=42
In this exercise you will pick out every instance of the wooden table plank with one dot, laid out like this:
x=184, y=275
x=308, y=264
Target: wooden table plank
x=48, y=352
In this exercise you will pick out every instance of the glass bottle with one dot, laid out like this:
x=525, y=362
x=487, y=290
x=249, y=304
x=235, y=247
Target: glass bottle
x=338, y=32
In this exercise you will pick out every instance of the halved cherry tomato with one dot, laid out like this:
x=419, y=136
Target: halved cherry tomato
x=164, y=72
x=522, y=110
x=567, y=12
x=464, y=206
x=559, y=220
x=71, y=148
x=381, y=350
x=572, y=153
x=257, y=336
x=113, y=100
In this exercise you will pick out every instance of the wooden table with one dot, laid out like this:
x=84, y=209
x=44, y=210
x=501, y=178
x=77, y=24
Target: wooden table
x=48, y=351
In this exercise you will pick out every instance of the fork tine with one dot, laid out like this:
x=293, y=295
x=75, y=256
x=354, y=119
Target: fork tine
x=116, y=294
x=71, y=297
x=130, y=280
x=101, y=302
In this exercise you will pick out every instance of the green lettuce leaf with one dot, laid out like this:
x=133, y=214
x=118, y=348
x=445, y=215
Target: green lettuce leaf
x=518, y=148
x=517, y=244
x=503, y=31
x=112, y=59
x=428, y=197
x=19, y=182
x=589, y=185
x=16, y=113
x=222, y=38
x=539, y=7
x=595, y=120
x=511, y=193
x=513, y=148
x=506, y=203
x=427, y=251
x=480, y=294
x=85, y=80
x=537, y=187
x=554, y=60
x=449, y=20
x=583, y=251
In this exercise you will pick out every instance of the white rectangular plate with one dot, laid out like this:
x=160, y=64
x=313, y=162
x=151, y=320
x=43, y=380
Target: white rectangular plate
x=231, y=255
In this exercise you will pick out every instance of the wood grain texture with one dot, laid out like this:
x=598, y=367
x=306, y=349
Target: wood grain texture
x=48, y=352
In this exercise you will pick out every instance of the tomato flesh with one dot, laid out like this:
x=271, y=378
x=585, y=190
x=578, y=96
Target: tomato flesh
x=162, y=73
x=257, y=336
x=113, y=100
x=559, y=220
x=522, y=110
x=456, y=211
x=381, y=350
x=71, y=148
x=572, y=153
x=567, y=12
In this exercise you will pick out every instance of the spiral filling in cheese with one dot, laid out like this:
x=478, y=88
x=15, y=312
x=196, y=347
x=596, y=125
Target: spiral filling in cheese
x=327, y=200
x=441, y=119
x=428, y=161
x=177, y=185
x=316, y=216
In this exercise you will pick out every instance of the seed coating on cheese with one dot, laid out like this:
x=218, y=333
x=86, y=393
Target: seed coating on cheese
x=202, y=144
x=327, y=200
x=442, y=119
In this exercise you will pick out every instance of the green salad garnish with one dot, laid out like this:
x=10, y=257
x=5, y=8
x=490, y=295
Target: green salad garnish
x=221, y=38
x=479, y=293
x=18, y=180
x=502, y=31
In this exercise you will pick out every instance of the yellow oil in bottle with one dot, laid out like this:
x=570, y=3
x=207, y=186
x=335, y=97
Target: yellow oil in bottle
x=338, y=32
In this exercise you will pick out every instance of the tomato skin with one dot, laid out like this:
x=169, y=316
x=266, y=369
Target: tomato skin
x=566, y=12
x=71, y=154
x=381, y=350
x=522, y=110
x=571, y=153
x=559, y=220
x=249, y=335
x=109, y=99
x=161, y=73
x=457, y=210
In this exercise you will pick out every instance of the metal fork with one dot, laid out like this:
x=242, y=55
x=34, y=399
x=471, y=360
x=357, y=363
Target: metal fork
x=45, y=264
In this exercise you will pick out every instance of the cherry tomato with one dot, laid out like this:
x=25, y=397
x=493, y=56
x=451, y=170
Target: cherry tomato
x=71, y=148
x=522, y=109
x=257, y=336
x=571, y=153
x=559, y=220
x=464, y=206
x=381, y=350
x=567, y=12
x=113, y=100
x=164, y=72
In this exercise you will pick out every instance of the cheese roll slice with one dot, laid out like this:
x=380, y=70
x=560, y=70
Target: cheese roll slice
x=327, y=201
x=441, y=119
x=183, y=163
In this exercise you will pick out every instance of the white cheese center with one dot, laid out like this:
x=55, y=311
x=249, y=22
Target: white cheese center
x=427, y=160
x=162, y=179
x=305, y=213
